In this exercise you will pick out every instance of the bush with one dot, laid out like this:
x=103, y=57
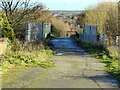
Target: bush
x=105, y=16
x=19, y=54
x=7, y=30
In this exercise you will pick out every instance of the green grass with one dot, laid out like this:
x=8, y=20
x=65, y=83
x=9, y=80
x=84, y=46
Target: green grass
x=103, y=54
x=30, y=55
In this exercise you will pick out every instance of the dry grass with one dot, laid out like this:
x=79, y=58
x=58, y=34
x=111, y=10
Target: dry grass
x=60, y=26
x=30, y=55
x=113, y=50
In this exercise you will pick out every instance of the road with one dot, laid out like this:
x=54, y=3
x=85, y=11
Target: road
x=74, y=68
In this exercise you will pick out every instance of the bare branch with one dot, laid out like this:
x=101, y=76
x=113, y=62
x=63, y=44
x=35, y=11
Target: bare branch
x=16, y=10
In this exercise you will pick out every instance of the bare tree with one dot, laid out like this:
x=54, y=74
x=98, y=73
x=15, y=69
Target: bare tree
x=16, y=10
x=105, y=16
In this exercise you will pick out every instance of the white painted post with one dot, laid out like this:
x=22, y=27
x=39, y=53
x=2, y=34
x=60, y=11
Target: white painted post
x=28, y=32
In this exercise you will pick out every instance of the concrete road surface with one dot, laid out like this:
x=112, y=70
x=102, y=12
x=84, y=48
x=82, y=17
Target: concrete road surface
x=74, y=68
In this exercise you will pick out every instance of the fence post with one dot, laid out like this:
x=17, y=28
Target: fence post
x=28, y=32
x=43, y=33
x=90, y=33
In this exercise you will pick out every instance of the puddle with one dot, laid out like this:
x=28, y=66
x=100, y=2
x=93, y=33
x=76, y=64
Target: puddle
x=59, y=54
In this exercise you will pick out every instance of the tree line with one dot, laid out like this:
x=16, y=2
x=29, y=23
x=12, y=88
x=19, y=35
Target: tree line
x=104, y=16
x=14, y=14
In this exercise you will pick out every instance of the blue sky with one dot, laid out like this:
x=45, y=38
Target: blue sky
x=70, y=4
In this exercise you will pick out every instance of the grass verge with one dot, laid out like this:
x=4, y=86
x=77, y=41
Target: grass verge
x=103, y=54
x=29, y=55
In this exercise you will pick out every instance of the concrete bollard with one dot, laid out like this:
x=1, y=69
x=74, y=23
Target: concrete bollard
x=3, y=46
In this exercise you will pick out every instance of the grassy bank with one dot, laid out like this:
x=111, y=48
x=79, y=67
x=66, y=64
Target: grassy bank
x=26, y=55
x=103, y=54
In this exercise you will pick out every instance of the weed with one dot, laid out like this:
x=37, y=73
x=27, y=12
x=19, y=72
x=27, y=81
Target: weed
x=30, y=55
x=103, y=54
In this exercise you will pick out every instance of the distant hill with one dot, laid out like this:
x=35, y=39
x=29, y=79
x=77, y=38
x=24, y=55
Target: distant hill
x=66, y=12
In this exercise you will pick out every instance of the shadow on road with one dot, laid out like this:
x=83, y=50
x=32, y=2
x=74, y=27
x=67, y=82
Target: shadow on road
x=93, y=69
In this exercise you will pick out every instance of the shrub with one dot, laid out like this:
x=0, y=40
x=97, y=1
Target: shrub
x=7, y=30
x=19, y=54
